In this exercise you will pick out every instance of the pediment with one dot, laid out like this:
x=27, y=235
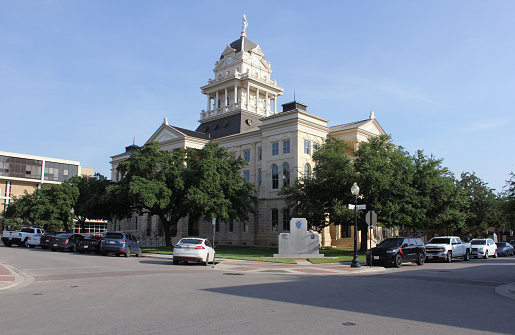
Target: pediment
x=372, y=127
x=165, y=133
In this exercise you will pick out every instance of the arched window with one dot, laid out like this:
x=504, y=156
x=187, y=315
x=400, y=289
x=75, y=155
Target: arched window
x=307, y=170
x=275, y=177
x=286, y=174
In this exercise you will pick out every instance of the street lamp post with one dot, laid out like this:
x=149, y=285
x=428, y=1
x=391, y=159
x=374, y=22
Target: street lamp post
x=355, y=191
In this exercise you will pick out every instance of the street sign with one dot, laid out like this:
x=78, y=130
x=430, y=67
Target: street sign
x=351, y=206
x=359, y=207
x=371, y=218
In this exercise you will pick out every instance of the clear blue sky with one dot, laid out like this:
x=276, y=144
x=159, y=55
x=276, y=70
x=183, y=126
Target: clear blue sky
x=80, y=79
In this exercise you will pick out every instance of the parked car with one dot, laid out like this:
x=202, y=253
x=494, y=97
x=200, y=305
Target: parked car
x=89, y=244
x=19, y=237
x=34, y=240
x=447, y=248
x=193, y=249
x=505, y=249
x=65, y=242
x=120, y=243
x=395, y=251
x=483, y=247
x=45, y=238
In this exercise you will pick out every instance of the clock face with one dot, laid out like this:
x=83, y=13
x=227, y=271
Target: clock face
x=228, y=60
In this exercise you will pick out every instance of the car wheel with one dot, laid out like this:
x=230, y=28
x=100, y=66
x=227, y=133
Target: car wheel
x=31, y=246
x=207, y=260
x=25, y=243
x=495, y=254
x=397, y=261
x=104, y=253
x=466, y=258
x=53, y=249
x=8, y=244
x=117, y=254
x=175, y=262
x=138, y=254
x=128, y=252
x=486, y=255
x=448, y=259
x=421, y=259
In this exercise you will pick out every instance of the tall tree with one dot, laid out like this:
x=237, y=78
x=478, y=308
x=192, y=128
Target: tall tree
x=218, y=189
x=438, y=203
x=33, y=207
x=62, y=198
x=205, y=182
x=483, y=207
x=509, y=201
x=92, y=201
x=325, y=192
x=385, y=174
x=153, y=182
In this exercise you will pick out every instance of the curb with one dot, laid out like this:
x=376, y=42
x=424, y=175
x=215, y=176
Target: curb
x=507, y=290
x=18, y=279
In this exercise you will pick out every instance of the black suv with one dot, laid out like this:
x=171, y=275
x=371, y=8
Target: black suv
x=394, y=251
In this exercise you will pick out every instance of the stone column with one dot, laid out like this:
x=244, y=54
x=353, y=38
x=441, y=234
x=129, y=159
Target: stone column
x=248, y=95
x=257, y=100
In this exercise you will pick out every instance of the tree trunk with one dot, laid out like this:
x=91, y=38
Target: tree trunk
x=167, y=227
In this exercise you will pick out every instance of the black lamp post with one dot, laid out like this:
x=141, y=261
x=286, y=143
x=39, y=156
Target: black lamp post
x=355, y=191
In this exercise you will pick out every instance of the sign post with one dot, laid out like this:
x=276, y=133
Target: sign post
x=213, y=222
x=371, y=219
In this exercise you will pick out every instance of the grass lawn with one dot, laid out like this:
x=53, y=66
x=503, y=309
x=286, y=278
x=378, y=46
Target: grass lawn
x=264, y=254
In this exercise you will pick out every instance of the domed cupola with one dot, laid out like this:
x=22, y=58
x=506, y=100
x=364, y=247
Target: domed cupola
x=242, y=82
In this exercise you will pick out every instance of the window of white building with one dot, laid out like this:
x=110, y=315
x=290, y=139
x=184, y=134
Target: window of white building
x=286, y=174
x=286, y=147
x=275, y=149
x=307, y=147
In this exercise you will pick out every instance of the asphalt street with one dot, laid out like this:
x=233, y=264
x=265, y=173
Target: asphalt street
x=48, y=292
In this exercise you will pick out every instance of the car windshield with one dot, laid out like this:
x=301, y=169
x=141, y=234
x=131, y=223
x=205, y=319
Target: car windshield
x=392, y=242
x=190, y=241
x=440, y=240
x=478, y=242
x=114, y=236
x=501, y=244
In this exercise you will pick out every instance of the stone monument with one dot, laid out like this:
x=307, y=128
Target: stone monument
x=298, y=243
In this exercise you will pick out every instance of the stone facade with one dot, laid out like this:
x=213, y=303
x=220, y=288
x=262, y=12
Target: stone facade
x=242, y=116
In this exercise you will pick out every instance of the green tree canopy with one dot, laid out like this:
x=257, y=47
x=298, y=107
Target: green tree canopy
x=200, y=182
x=92, y=202
x=326, y=192
x=385, y=176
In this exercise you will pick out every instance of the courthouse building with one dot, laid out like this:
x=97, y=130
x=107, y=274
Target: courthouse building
x=242, y=115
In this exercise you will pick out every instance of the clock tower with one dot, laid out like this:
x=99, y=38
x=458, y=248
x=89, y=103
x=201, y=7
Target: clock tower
x=242, y=90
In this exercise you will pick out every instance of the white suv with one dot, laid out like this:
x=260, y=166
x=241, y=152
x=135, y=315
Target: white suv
x=483, y=247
